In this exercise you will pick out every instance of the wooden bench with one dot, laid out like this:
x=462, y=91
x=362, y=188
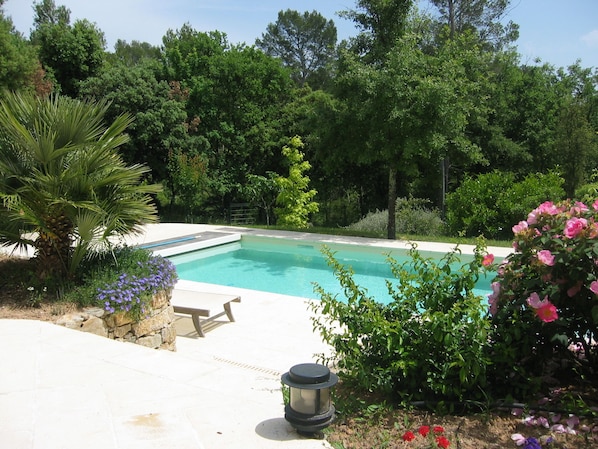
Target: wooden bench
x=203, y=304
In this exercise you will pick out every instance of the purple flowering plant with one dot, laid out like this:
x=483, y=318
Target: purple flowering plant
x=133, y=288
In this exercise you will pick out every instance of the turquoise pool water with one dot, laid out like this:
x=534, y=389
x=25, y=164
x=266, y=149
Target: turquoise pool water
x=290, y=267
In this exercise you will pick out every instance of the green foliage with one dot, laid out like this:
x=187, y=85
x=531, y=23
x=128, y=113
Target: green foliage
x=336, y=208
x=188, y=179
x=64, y=187
x=304, y=42
x=587, y=192
x=413, y=216
x=134, y=53
x=429, y=343
x=375, y=222
x=237, y=93
x=382, y=22
x=490, y=204
x=262, y=190
x=18, y=63
x=485, y=17
x=545, y=300
x=295, y=201
x=574, y=139
x=124, y=279
x=423, y=101
x=472, y=207
x=72, y=53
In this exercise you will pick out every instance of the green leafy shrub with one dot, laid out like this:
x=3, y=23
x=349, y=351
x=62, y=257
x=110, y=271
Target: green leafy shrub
x=491, y=203
x=429, y=343
x=416, y=217
x=124, y=280
x=373, y=222
x=589, y=191
x=413, y=216
x=545, y=300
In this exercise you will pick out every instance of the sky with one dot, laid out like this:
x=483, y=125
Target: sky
x=558, y=32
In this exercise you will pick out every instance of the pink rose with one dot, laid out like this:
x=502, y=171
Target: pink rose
x=547, y=313
x=545, y=310
x=520, y=227
x=595, y=205
x=546, y=257
x=534, y=301
x=546, y=207
x=575, y=226
x=594, y=287
x=578, y=208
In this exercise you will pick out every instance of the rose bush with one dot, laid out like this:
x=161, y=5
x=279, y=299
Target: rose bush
x=544, y=304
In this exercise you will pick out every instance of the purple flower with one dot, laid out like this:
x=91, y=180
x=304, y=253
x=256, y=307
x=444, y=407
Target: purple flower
x=131, y=289
x=531, y=443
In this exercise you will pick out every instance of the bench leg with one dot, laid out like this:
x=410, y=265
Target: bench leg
x=229, y=312
x=197, y=324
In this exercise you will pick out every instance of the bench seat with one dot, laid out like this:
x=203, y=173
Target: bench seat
x=196, y=304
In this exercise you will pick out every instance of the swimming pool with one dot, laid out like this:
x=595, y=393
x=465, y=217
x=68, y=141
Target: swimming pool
x=291, y=267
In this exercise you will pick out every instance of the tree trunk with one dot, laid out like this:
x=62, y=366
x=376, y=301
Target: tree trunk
x=444, y=169
x=392, y=200
x=53, y=249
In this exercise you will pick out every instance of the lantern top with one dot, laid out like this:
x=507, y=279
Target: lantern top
x=309, y=376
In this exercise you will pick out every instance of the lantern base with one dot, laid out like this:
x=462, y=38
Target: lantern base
x=308, y=424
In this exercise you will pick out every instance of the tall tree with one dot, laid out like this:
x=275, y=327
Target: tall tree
x=47, y=13
x=410, y=112
x=575, y=145
x=306, y=43
x=484, y=16
x=18, y=64
x=72, y=53
x=161, y=124
x=236, y=93
x=383, y=23
x=64, y=187
x=131, y=54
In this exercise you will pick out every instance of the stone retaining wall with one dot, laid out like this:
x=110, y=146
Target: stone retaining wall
x=156, y=330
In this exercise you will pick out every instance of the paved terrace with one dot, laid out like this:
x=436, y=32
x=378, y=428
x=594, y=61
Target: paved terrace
x=61, y=388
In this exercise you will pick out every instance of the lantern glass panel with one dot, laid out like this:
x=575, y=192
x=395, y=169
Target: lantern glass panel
x=303, y=401
x=324, y=405
x=310, y=402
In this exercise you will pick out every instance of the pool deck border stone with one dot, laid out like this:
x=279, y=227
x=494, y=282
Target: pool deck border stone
x=61, y=388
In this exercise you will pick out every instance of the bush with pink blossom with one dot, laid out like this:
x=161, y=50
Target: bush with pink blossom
x=544, y=305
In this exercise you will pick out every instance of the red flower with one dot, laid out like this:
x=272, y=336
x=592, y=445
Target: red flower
x=438, y=429
x=442, y=442
x=424, y=430
x=488, y=259
x=408, y=436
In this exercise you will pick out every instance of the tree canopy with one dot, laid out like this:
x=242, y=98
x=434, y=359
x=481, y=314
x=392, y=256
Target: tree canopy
x=18, y=64
x=413, y=105
x=306, y=43
x=71, y=53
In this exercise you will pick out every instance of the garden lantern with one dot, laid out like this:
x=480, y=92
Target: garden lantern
x=309, y=409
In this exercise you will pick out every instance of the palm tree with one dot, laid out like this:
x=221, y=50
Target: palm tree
x=64, y=187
